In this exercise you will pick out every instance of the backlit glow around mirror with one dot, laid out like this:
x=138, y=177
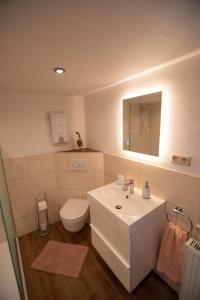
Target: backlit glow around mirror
x=164, y=124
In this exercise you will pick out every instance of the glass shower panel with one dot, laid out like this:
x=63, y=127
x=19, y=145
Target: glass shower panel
x=9, y=226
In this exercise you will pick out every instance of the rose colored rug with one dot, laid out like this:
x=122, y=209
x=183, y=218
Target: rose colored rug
x=61, y=258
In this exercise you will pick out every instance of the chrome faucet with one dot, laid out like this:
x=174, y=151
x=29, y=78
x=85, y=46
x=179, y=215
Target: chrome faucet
x=131, y=186
x=128, y=183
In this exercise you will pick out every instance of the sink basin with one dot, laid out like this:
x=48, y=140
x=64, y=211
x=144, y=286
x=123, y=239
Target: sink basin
x=133, y=207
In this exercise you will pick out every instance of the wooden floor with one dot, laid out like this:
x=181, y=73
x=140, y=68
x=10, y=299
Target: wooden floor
x=96, y=281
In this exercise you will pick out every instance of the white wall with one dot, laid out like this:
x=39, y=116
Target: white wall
x=74, y=107
x=24, y=123
x=180, y=124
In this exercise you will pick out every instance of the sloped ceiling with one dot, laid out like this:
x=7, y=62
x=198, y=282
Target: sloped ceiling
x=98, y=42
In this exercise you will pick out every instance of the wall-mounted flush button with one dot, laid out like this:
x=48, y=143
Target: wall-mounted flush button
x=78, y=165
x=181, y=160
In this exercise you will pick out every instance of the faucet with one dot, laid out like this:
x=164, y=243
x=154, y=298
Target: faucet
x=128, y=183
x=131, y=186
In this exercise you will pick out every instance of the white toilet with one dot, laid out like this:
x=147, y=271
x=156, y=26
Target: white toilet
x=74, y=214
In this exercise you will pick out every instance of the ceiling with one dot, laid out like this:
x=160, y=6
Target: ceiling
x=98, y=42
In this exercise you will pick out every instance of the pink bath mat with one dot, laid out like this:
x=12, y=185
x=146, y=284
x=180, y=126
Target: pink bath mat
x=61, y=258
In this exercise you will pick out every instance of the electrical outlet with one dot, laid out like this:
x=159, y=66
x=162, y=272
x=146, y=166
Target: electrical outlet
x=181, y=160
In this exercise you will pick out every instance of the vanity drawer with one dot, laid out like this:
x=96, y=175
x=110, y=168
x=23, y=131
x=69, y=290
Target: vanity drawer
x=117, y=264
x=111, y=233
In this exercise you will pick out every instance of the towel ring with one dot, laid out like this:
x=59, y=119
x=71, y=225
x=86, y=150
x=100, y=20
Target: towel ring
x=179, y=211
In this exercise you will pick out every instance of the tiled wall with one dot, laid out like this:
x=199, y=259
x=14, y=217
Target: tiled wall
x=77, y=183
x=175, y=188
x=50, y=173
x=26, y=178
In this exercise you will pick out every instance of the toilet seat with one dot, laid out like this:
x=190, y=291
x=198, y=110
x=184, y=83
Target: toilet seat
x=74, y=209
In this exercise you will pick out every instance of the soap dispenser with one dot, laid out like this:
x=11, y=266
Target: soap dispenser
x=146, y=193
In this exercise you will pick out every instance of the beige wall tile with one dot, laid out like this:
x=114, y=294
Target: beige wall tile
x=61, y=161
x=16, y=168
x=64, y=195
x=53, y=198
x=108, y=179
x=114, y=165
x=76, y=180
x=35, y=185
x=42, y=183
x=54, y=214
x=85, y=195
x=24, y=207
x=94, y=160
x=40, y=164
x=12, y=190
x=29, y=186
x=180, y=189
x=23, y=187
x=26, y=224
x=99, y=179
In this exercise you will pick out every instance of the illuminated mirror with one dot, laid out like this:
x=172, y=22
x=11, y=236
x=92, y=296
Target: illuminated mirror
x=141, y=123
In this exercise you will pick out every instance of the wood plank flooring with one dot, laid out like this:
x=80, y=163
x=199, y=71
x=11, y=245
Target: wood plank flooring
x=96, y=281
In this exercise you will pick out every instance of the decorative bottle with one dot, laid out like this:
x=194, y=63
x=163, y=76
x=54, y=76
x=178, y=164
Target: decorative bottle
x=146, y=193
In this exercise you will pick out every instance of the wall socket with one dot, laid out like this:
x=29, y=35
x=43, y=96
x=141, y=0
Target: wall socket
x=181, y=160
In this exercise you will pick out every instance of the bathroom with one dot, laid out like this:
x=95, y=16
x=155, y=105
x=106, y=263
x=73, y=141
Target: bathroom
x=111, y=51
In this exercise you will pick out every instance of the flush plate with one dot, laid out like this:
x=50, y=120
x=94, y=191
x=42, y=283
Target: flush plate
x=78, y=165
x=181, y=160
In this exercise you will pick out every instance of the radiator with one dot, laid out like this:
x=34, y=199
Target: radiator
x=190, y=283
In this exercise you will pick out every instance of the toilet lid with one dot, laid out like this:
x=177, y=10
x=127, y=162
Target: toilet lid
x=74, y=209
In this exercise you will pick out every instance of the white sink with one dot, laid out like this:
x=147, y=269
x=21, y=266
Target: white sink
x=127, y=238
x=133, y=207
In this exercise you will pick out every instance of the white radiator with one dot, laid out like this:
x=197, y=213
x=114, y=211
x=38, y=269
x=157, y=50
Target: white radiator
x=190, y=284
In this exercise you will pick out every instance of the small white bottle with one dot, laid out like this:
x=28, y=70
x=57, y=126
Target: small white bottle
x=146, y=193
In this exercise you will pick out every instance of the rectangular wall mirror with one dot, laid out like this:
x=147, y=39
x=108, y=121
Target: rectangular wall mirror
x=141, y=123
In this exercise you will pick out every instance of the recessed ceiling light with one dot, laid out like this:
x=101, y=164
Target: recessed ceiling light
x=59, y=70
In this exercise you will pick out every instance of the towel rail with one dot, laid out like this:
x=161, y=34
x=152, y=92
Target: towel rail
x=179, y=211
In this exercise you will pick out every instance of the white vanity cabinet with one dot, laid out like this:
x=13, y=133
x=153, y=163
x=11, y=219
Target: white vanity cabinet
x=128, y=239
